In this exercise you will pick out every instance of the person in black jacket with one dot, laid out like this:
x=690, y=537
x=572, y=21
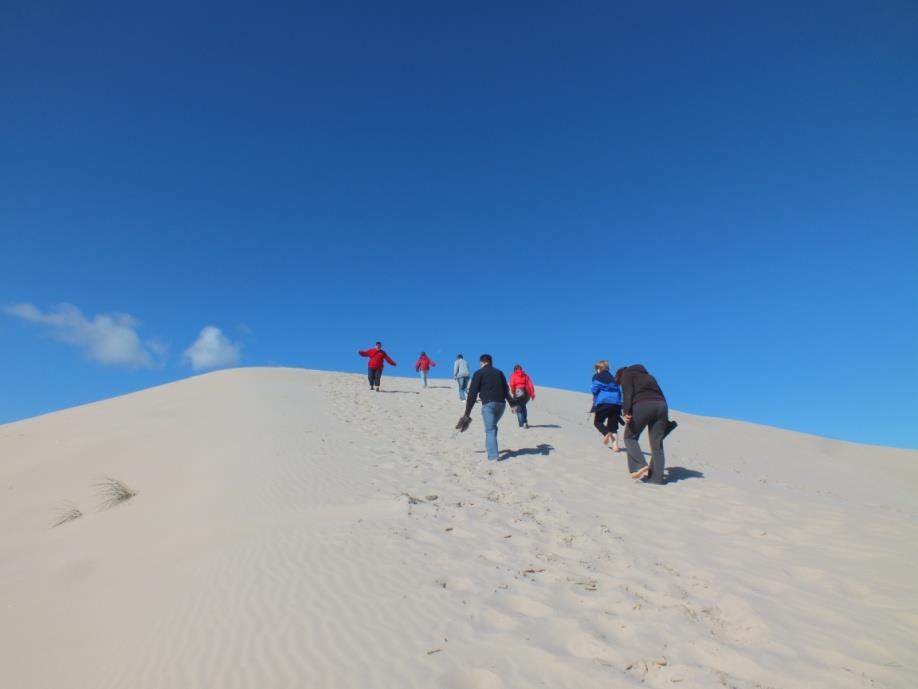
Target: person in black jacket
x=643, y=406
x=490, y=385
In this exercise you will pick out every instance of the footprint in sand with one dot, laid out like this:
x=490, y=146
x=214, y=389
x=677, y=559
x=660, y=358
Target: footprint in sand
x=566, y=637
x=807, y=574
x=722, y=528
x=471, y=679
x=854, y=588
x=457, y=584
x=426, y=537
x=525, y=606
x=766, y=585
x=497, y=621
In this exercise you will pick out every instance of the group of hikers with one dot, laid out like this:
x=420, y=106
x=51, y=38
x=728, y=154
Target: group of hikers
x=631, y=397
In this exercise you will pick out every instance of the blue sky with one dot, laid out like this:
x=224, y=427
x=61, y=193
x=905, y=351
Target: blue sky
x=726, y=192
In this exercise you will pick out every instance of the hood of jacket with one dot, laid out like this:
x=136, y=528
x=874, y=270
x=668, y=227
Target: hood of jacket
x=604, y=377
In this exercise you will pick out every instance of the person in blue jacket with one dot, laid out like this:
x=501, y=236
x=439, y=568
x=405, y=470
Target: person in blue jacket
x=607, y=404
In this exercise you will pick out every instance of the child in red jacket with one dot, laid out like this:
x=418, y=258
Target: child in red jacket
x=423, y=366
x=522, y=391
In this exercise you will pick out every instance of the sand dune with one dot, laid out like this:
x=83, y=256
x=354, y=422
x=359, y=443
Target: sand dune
x=292, y=529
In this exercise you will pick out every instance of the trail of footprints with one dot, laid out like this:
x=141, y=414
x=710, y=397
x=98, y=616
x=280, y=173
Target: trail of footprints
x=520, y=555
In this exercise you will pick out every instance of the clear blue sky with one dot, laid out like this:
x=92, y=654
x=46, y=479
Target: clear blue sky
x=726, y=192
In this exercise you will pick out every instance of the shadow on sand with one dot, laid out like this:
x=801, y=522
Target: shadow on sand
x=541, y=449
x=401, y=392
x=674, y=474
x=544, y=425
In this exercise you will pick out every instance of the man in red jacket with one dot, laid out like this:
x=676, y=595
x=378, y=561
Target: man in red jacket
x=375, y=367
x=423, y=366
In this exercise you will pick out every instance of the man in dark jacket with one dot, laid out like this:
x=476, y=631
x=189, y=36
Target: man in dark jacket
x=490, y=384
x=644, y=405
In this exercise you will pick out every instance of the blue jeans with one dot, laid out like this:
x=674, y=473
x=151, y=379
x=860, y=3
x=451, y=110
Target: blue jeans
x=490, y=414
x=463, y=386
x=424, y=377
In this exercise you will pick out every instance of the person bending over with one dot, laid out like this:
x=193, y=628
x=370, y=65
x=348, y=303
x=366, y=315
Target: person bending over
x=644, y=406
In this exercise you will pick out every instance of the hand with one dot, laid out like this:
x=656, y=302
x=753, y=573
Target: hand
x=627, y=418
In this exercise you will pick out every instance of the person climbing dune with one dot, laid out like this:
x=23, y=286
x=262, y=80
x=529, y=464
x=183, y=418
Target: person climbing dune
x=607, y=404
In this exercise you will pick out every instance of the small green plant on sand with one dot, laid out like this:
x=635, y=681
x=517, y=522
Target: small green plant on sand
x=114, y=492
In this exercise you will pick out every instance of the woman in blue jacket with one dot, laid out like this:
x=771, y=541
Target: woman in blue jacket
x=607, y=404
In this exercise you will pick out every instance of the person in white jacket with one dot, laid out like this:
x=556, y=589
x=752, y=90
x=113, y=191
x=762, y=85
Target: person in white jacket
x=461, y=374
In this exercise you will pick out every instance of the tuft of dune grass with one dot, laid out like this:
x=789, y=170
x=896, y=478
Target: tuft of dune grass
x=113, y=492
x=64, y=515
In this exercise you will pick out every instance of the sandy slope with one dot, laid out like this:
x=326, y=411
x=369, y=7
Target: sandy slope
x=282, y=536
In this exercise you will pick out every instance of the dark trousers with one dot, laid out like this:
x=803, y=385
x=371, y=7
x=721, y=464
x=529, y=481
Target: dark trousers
x=606, y=418
x=522, y=416
x=375, y=375
x=653, y=414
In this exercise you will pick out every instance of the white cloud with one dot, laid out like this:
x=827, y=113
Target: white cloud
x=106, y=339
x=212, y=349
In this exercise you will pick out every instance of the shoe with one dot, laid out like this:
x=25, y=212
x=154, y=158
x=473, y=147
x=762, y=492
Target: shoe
x=525, y=425
x=670, y=427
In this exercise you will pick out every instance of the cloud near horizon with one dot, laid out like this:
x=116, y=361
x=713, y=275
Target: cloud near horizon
x=212, y=349
x=105, y=339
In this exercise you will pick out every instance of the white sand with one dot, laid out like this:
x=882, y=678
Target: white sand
x=273, y=544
